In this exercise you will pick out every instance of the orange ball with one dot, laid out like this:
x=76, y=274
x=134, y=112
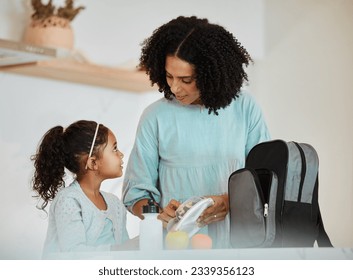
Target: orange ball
x=201, y=241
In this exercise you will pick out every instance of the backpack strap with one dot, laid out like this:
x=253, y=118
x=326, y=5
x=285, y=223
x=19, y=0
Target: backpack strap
x=322, y=239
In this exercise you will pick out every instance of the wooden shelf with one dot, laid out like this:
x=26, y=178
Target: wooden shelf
x=84, y=73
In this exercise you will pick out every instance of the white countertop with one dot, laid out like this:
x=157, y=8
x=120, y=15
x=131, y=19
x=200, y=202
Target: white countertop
x=217, y=254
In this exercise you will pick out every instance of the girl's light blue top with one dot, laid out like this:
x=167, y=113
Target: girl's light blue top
x=181, y=151
x=76, y=224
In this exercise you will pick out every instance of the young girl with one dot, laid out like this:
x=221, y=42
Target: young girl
x=81, y=216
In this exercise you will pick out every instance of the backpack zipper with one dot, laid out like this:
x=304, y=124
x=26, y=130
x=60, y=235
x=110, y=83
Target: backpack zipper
x=260, y=192
x=266, y=210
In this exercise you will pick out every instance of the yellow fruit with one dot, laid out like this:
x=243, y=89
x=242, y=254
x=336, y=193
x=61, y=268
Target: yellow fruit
x=201, y=241
x=176, y=240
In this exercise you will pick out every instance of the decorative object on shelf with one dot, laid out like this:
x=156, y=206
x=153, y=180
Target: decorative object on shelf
x=50, y=27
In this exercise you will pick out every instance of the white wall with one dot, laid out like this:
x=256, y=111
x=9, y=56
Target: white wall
x=301, y=77
x=304, y=84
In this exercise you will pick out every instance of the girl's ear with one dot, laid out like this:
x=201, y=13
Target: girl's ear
x=91, y=163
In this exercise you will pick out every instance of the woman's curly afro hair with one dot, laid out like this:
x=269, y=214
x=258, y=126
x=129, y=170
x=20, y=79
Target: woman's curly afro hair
x=218, y=59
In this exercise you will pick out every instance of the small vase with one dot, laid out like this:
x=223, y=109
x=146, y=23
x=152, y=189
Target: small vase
x=54, y=32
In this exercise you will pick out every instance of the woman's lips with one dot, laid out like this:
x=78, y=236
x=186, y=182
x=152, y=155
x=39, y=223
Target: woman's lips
x=180, y=97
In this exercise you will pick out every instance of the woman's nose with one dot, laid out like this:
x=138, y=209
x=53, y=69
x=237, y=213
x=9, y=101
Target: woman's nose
x=175, y=86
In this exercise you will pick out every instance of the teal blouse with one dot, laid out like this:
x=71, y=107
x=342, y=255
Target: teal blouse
x=181, y=151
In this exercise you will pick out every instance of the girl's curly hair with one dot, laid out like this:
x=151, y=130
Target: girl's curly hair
x=60, y=149
x=217, y=56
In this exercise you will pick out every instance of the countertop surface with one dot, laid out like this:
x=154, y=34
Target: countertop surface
x=217, y=254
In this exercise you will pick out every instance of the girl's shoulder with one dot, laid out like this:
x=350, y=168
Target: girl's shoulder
x=72, y=192
x=69, y=197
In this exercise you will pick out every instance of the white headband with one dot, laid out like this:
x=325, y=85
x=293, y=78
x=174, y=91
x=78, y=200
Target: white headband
x=93, y=142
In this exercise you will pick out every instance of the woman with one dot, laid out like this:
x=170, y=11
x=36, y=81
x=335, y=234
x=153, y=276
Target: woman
x=189, y=142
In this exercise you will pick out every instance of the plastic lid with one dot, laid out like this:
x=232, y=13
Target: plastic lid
x=187, y=215
x=151, y=207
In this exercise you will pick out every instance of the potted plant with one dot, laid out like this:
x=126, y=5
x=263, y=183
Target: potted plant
x=50, y=26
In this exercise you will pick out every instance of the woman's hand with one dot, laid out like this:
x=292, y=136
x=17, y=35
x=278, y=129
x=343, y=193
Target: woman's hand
x=168, y=212
x=137, y=208
x=217, y=212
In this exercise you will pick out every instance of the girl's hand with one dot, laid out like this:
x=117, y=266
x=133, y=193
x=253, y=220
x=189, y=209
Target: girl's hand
x=217, y=212
x=168, y=212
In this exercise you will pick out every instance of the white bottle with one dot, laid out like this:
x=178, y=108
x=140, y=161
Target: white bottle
x=151, y=228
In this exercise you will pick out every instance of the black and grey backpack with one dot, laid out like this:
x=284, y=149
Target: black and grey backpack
x=274, y=200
